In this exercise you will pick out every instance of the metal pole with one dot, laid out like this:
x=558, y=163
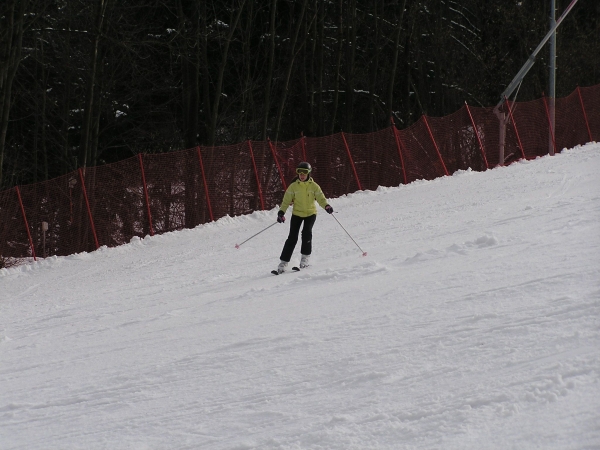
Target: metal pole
x=363, y=252
x=529, y=63
x=254, y=235
x=552, y=77
x=44, y=229
x=521, y=74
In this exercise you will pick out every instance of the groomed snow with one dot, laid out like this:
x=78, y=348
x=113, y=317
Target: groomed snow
x=472, y=323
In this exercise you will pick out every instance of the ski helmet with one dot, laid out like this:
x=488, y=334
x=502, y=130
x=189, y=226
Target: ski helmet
x=304, y=165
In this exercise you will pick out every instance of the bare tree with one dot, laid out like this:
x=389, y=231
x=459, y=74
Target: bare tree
x=189, y=54
x=292, y=57
x=218, y=89
x=395, y=53
x=351, y=23
x=12, y=21
x=85, y=150
x=269, y=75
x=336, y=81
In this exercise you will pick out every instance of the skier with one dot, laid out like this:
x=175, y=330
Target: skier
x=302, y=192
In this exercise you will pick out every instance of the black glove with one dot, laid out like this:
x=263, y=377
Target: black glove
x=280, y=216
x=329, y=209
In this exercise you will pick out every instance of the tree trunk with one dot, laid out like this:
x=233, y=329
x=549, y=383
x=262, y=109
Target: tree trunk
x=245, y=126
x=313, y=30
x=336, y=82
x=44, y=82
x=189, y=52
x=67, y=163
x=206, y=110
x=321, y=68
x=267, y=103
x=11, y=41
x=350, y=53
x=219, y=86
x=86, y=132
x=374, y=69
x=390, y=93
x=289, y=69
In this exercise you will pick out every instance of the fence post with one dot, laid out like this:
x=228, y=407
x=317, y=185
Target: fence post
x=302, y=142
x=351, y=162
x=397, y=138
x=550, y=124
x=146, y=194
x=487, y=166
x=515, y=126
x=262, y=203
x=87, y=203
x=26, y=224
x=277, y=164
x=435, y=144
x=587, y=124
x=210, y=212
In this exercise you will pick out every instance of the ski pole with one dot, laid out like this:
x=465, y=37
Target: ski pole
x=363, y=252
x=239, y=245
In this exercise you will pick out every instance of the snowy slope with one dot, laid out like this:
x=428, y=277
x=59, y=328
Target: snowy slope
x=472, y=323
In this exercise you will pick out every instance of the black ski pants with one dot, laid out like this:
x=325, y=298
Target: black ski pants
x=292, y=240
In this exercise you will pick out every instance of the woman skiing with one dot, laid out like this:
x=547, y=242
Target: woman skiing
x=302, y=192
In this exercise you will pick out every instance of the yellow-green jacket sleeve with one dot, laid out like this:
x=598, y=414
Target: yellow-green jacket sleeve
x=320, y=197
x=288, y=198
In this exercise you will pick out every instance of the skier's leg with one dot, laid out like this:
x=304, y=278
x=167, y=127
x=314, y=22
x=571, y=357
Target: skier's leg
x=306, y=248
x=290, y=243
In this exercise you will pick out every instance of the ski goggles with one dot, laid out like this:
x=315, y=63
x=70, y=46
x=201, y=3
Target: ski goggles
x=303, y=171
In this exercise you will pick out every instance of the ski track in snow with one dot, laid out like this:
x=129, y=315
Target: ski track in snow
x=472, y=323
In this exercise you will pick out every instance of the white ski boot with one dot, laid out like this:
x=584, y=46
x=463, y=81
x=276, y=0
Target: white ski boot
x=282, y=266
x=304, y=261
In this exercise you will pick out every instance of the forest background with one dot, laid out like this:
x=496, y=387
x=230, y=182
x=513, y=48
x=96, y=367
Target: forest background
x=84, y=83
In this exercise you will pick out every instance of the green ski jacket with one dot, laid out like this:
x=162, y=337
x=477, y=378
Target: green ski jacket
x=303, y=195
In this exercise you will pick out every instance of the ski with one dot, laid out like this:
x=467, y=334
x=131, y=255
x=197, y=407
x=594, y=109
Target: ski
x=294, y=269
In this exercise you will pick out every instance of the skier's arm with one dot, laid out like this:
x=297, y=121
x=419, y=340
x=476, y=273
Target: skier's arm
x=320, y=197
x=287, y=199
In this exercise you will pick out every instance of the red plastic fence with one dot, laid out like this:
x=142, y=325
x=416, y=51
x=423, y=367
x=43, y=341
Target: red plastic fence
x=156, y=193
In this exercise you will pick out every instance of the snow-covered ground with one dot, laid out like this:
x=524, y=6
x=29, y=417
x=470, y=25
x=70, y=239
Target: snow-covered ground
x=472, y=323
